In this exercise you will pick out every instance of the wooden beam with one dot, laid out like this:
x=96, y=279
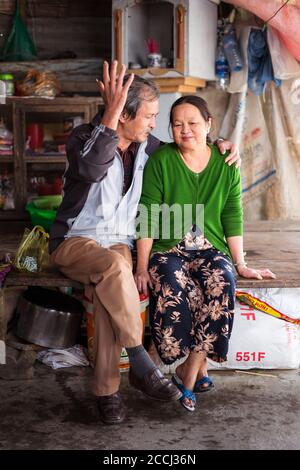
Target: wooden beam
x=179, y=84
x=68, y=9
x=74, y=75
x=22, y=9
x=7, y=7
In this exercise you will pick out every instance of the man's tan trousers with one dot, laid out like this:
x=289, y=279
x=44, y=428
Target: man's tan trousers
x=115, y=300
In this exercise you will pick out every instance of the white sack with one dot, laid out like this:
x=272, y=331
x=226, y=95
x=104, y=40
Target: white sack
x=261, y=341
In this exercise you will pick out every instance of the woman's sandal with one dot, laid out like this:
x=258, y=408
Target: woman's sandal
x=188, y=399
x=198, y=388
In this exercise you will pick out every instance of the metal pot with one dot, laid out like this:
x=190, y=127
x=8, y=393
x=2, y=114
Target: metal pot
x=48, y=318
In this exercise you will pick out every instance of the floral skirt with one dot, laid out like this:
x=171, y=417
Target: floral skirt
x=192, y=301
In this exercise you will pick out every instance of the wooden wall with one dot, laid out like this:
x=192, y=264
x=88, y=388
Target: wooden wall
x=63, y=28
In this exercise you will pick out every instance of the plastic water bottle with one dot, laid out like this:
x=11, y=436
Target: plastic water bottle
x=221, y=67
x=232, y=50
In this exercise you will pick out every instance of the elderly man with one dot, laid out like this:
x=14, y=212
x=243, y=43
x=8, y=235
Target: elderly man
x=94, y=230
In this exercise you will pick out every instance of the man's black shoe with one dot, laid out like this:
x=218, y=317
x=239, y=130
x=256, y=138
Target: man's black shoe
x=155, y=385
x=111, y=408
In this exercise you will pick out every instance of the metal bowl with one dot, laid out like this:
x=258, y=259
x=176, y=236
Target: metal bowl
x=48, y=318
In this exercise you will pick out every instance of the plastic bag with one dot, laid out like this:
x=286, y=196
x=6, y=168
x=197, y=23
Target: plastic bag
x=19, y=45
x=286, y=21
x=57, y=358
x=284, y=64
x=260, y=341
x=245, y=125
x=32, y=253
x=37, y=83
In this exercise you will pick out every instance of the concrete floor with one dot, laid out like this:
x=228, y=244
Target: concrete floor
x=55, y=410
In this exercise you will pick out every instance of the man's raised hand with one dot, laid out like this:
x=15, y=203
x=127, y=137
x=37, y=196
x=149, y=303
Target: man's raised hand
x=114, y=93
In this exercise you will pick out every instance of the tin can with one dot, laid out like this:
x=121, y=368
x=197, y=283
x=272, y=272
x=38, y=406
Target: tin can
x=8, y=80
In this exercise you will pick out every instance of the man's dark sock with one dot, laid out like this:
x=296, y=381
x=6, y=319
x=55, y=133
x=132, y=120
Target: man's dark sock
x=139, y=360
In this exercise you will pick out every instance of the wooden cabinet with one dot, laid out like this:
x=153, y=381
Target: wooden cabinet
x=186, y=31
x=27, y=166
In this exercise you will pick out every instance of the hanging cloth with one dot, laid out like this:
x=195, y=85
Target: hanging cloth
x=260, y=68
x=19, y=45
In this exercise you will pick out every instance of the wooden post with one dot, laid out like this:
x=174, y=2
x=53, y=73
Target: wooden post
x=180, y=29
x=118, y=36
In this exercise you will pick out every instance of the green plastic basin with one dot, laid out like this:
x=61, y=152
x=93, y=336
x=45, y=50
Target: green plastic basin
x=42, y=210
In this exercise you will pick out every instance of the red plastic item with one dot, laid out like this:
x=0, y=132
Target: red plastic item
x=45, y=189
x=36, y=134
x=57, y=186
x=143, y=297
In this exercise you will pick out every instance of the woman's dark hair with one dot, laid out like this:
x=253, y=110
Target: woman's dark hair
x=140, y=90
x=196, y=101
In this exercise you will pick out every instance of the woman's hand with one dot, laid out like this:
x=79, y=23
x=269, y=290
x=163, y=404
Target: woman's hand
x=250, y=273
x=234, y=156
x=143, y=280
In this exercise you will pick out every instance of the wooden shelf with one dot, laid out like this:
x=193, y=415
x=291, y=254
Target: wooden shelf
x=6, y=159
x=59, y=100
x=75, y=75
x=19, y=108
x=155, y=71
x=45, y=158
x=14, y=215
x=179, y=84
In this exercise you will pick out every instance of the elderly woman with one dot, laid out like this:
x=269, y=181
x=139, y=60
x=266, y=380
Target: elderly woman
x=192, y=252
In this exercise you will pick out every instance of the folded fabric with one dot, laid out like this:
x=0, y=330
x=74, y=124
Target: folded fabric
x=6, y=147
